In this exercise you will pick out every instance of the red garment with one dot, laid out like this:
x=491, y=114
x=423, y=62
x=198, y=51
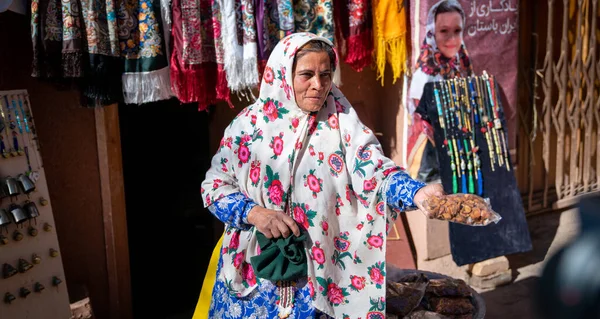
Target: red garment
x=197, y=72
x=355, y=26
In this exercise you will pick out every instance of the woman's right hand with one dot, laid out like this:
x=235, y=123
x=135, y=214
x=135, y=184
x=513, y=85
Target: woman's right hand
x=272, y=223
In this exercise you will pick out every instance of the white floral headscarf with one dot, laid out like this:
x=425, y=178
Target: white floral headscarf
x=336, y=171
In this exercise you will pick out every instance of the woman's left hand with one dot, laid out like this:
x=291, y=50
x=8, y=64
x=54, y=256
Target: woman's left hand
x=426, y=192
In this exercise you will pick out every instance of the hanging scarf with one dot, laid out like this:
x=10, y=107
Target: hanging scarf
x=315, y=16
x=337, y=174
x=102, y=81
x=274, y=20
x=239, y=43
x=47, y=38
x=390, y=37
x=146, y=72
x=56, y=31
x=72, y=45
x=433, y=62
x=165, y=15
x=356, y=29
x=197, y=68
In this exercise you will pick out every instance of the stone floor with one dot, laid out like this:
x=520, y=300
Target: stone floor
x=549, y=232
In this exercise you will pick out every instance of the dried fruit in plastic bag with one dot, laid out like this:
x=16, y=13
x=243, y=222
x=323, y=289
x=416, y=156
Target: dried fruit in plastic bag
x=467, y=209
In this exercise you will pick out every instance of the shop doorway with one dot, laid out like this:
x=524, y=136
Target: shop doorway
x=165, y=148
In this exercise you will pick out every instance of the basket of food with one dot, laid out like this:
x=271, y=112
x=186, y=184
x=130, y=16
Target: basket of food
x=417, y=294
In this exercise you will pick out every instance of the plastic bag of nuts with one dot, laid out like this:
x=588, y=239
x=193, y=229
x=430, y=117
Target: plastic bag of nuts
x=466, y=209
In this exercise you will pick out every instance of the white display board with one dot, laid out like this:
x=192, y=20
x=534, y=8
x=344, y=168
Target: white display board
x=39, y=242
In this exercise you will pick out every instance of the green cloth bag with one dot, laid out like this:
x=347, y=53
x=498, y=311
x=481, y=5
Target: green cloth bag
x=280, y=259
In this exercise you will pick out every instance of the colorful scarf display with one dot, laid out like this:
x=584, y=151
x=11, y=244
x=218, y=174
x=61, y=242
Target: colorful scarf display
x=315, y=164
x=140, y=51
x=122, y=41
x=390, y=37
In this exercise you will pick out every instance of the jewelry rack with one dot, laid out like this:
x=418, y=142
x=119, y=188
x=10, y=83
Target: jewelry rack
x=464, y=106
x=32, y=283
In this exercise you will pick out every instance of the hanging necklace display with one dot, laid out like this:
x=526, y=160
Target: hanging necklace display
x=27, y=131
x=31, y=136
x=4, y=132
x=19, y=126
x=13, y=134
x=485, y=123
x=494, y=122
x=449, y=115
x=448, y=145
x=458, y=129
x=476, y=123
x=464, y=106
x=466, y=132
x=497, y=121
x=470, y=135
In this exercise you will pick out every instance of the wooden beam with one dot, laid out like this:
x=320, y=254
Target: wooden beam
x=108, y=138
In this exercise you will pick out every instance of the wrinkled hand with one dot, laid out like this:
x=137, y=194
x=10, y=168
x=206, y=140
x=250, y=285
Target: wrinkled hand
x=272, y=223
x=426, y=192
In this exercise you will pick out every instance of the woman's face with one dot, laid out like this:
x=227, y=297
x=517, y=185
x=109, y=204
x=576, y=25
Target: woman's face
x=449, y=33
x=312, y=80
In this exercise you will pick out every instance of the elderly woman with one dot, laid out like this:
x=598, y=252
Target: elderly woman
x=443, y=56
x=299, y=171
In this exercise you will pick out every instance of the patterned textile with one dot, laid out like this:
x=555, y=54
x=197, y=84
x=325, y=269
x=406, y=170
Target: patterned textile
x=315, y=16
x=102, y=81
x=335, y=171
x=197, y=67
x=433, y=62
x=261, y=303
x=72, y=50
x=146, y=72
x=277, y=18
x=390, y=37
x=56, y=34
x=238, y=32
x=233, y=210
x=355, y=21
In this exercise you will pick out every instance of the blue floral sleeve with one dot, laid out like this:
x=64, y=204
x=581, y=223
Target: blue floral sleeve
x=233, y=210
x=401, y=191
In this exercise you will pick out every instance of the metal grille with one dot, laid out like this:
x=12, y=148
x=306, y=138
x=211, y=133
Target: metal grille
x=570, y=119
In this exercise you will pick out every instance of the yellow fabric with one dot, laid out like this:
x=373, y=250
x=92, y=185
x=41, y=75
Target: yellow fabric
x=416, y=156
x=203, y=305
x=390, y=37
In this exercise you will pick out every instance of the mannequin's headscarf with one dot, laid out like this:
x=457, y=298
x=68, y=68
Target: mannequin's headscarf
x=432, y=61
